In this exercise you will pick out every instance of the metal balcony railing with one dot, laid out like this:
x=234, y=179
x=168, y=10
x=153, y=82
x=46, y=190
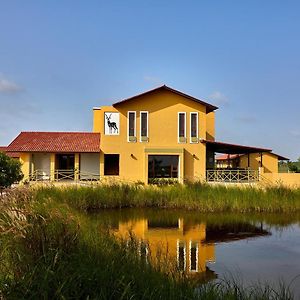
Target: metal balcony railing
x=234, y=176
x=63, y=175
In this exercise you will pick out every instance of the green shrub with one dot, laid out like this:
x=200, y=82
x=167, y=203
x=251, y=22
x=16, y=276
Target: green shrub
x=10, y=171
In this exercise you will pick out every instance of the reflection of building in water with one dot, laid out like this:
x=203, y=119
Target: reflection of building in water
x=179, y=241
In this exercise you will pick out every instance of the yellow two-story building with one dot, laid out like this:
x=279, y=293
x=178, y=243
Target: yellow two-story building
x=156, y=134
x=162, y=134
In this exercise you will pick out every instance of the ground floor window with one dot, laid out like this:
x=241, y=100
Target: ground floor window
x=65, y=161
x=111, y=164
x=65, y=164
x=163, y=166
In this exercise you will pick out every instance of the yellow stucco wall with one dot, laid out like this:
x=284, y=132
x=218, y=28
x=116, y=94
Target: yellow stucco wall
x=286, y=179
x=25, y=159
x=269, y=162
x=210, y=126
x=163, y=107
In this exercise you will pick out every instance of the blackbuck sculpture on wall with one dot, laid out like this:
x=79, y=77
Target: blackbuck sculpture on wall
x=113, y=128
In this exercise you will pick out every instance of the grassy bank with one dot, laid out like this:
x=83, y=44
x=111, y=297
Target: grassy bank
x=197, y=196
x=50, y=250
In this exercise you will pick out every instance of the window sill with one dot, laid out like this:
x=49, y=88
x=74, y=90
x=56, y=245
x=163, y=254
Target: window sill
x=182, y=140
x=144, y=139
x=131, y=139
x=194, y=140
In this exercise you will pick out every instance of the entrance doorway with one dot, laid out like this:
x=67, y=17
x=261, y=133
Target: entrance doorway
x=65, y=166
x=163, y=166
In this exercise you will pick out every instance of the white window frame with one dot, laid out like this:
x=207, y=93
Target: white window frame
x=190, y=256
x=131, y=111
x=178, y=125
x=142, y=112
x=197, y=129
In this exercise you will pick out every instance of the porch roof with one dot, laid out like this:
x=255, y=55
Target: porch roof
x=227, y=148
x=54, y=142
x=10, y=154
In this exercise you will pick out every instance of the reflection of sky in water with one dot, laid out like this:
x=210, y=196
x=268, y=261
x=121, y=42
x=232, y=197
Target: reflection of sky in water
x=268, y=258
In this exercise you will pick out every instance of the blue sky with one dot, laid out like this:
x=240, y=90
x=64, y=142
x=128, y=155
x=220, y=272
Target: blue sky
x=58, y=59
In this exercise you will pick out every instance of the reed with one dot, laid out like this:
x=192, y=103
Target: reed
x=51, y=250
x=193, y=196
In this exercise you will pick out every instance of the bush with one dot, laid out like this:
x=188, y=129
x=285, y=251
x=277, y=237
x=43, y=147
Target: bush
x=10, y=171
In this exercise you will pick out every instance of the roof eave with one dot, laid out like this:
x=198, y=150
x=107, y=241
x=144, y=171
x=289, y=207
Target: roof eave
x=209, y=107
x=237, y=149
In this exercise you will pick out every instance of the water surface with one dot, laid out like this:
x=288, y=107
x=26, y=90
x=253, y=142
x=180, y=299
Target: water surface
x=250, y=248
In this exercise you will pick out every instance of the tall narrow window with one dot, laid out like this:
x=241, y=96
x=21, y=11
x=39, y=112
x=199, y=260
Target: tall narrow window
x=131, y=116
x=194, y=127
x=181, y=255
x=193, y=256
x=181, y=127
x=144, y=126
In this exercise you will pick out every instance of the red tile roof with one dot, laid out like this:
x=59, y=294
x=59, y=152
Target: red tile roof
x=10, y=154
x=227, y=156
x=233, y=156
x=209, y=107
x=56, y=142
x=3, y=148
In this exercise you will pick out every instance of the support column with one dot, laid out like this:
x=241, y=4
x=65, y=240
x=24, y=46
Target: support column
x=145, y=168
x=181, y=167
x=25, y=167
x=260, y=173
x=76, y=166
x=101, y=164
x=52, y=166
x=248, y=160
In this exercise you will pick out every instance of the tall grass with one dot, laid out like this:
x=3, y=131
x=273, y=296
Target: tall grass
x=50, y=250
x=197, y=196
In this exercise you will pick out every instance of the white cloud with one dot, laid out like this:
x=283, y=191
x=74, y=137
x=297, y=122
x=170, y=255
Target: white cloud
x=8, y=86
x=218, y=98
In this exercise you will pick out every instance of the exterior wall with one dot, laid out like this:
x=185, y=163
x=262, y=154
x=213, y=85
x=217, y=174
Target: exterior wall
x=269, y=162
x=286, y=179
x=163, y=108
x=41, y=163
x=45, y=165
x=210, y=126
x=89, y=164
x=25, y=159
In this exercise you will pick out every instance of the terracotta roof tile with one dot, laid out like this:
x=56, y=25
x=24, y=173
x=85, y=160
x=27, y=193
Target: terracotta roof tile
x=227, y=156
x=10, y=154
x=56, y=142
x=3, y=149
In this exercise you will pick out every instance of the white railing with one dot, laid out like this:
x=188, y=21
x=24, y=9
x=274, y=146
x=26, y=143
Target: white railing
x=233, y=176
x=63, y=175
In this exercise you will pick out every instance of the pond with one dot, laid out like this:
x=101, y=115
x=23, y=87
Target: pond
x=249, y=248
